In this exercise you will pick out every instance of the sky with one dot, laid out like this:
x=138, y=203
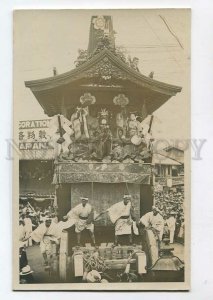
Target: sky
x=47, y=39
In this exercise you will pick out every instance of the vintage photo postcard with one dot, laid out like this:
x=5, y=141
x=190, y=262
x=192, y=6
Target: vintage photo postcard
x=101, y=197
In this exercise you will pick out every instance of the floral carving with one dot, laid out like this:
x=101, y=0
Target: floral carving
x=106, y=70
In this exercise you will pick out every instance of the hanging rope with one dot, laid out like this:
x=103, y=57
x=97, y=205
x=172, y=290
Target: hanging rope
x=92, y=190
x=127, y=188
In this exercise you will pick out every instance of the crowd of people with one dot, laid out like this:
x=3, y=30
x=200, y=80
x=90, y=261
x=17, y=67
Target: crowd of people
x=170, y=205
x=30, y=220
x=31, y=216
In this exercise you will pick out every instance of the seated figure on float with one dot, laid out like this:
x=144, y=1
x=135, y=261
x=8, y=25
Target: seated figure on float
x=103, y=140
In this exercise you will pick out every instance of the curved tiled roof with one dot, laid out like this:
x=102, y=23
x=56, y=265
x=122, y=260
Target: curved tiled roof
x=78, y=73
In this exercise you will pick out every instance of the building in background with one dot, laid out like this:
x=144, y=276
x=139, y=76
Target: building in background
x=170, y=170
x=36, y=163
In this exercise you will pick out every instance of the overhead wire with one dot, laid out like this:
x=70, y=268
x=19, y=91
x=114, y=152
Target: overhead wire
x=157, y=36
x=170, y=30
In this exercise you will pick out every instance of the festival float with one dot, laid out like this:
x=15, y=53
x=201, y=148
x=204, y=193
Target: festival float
x=101, y=116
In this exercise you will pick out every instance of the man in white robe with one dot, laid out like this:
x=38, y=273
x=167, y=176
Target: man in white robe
x=82, y=216
x=154, y=220
x=22, y=232
x=46, y=233
x=122, y=215
x=28, y=227
x=171, y=222
x=182, y=229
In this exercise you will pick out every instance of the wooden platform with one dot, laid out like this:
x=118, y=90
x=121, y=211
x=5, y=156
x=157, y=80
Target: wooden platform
x=108, y=251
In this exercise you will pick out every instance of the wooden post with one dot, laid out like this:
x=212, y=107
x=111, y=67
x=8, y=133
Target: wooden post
x=63, y=193
x=63, y=107
x=54, y=259
x=63, y=256
x=146, y=198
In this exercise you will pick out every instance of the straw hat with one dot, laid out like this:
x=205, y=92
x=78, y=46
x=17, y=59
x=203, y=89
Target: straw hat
x=26, y=271
x=93, y=276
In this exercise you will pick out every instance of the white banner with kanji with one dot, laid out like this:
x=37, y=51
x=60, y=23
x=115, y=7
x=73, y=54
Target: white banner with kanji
x=34, y=135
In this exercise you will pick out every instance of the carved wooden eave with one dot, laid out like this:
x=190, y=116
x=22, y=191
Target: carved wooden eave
x=107, y=67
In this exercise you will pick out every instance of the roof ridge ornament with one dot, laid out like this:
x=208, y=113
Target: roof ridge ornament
x=101, y=37
x=99, y=22
x=101, y=34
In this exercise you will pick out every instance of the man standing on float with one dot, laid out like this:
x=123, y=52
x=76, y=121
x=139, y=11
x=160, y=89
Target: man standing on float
x=122, y=215
x=82, y=216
